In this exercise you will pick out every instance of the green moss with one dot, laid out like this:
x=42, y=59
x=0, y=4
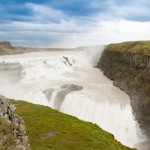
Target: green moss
x=133, y=47
x=66, y=132
x=2, y=50
x=147, y=100
x=6, y=136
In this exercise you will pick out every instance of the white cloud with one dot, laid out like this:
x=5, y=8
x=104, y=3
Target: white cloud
x=53, y=28
x=73, y=35
x=45, y=13
x=130, y=11
x=133, y=9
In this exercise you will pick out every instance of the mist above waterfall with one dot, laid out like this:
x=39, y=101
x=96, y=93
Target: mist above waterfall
x=43, y=74
x=93, y=53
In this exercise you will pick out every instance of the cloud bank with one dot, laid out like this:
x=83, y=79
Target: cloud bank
x=65, y=24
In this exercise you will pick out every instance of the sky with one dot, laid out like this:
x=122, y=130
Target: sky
x=73, y=23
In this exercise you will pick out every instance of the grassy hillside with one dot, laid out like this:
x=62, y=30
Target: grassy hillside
x=4, y=51
x=136, y=47
x=49, y=129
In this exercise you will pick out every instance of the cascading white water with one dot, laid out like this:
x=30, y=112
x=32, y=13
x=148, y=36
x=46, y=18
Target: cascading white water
x=99, y=101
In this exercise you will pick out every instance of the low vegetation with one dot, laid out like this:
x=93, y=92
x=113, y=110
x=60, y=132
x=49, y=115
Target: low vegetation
x=133, y=47
x=7, y=141
x=49, y=129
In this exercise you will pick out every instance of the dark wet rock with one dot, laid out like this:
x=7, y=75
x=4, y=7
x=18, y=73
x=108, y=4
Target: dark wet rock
x=48, y=93
x=65, y=89
x=61, y=93
x=67, y=61
x=72, y=87
x=4, y=108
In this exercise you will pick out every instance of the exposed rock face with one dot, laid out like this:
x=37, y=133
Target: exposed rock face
x=61, y=93
x=128, y=65
x=7, y=112
x=48, y=93
x=65, y=89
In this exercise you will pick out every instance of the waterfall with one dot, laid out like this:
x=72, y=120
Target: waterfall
x=67, y=81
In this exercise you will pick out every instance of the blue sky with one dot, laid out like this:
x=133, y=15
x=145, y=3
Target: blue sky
x=72, y=23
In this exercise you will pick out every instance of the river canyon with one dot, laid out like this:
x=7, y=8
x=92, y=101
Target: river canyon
x=69, y=82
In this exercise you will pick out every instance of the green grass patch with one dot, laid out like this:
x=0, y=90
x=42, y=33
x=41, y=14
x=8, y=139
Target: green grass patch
x=147, y=100
x=49, y=129
x=133, y=47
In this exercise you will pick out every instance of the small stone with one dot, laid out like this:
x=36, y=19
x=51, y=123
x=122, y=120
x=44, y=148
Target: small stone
x=6, y=117
x=18, y=142
x=3, y=100
x=16, y=132
x=24, y=141
x=15, y=126
x=16, y=119
x=4, y=108
x=20, y=147
x=22, y=126
x=20, y=134
x=19, y=137
x=12, y=107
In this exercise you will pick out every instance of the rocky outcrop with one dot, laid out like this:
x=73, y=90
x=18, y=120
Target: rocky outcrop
x=7, y=112
x=61, y=93
x=128, y=65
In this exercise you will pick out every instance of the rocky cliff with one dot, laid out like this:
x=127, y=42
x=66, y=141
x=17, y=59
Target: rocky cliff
x=128, y=65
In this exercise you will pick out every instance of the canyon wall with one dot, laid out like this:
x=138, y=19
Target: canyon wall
x=128, y=65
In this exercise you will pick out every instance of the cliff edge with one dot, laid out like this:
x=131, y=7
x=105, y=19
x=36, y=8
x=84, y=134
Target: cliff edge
x=128, y=65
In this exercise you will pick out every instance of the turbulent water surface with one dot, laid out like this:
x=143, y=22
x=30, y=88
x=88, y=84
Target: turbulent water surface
x=42, y=78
